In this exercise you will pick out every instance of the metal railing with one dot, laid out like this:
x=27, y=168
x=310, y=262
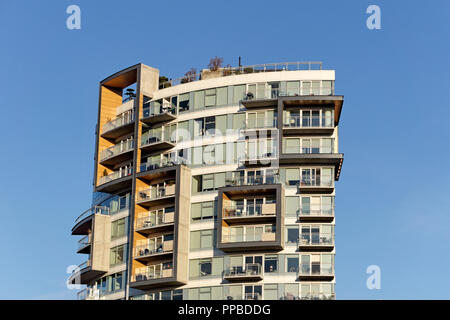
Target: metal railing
x=319, y=296
x=116, y=175
x=91, y=211
x=117, y=149
x=316, y=181
x=84, y=241
x=264, y=236
x=274, y=93
x=160, y=163
x=255, y=210
x=89, y=294
x=249, y=269
x=267, y=67
x=118, y=122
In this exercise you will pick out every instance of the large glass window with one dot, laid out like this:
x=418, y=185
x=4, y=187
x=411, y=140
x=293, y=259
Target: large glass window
x=117, y=255
x=118, y=228
x=271, y=263
x=292, y=263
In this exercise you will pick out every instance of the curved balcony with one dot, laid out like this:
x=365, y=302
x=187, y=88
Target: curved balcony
x=119, y=126
x=84, y=244
x=156, y=142
x=153, y=279
x=84, y=274
x=248, y=272
x=152, y=114
x=296, y=124
x=117, y=153
x=115, y=181
x=83, y=222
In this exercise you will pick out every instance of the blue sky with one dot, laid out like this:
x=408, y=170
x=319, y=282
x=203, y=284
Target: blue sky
x=393, y=196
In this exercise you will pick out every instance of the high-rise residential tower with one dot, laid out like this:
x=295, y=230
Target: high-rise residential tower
x=217, y=185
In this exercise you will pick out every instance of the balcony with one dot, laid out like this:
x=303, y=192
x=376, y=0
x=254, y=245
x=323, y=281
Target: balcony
x=253, y=129
x=156, y=114
x=85, y=273
x=157, y=164
x=316, y=242
x=314, y=184
x=261, y=237
x=119, y=126
x=252, y=180
x=84, y=244
x=323, y=272
x=88, y=294
x=152, y=252
x=296, y=124
x=117, y=153
x=161, y=221
x=252, y=296
x=156, y=195
x=254, y=212
x=84, y=221
x=315, y=214
x=156, y=141
x=116, y=180
x=319, y=296
x=248, y=272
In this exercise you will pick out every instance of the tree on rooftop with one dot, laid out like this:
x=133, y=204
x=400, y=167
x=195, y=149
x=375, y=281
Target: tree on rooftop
x=215, y=63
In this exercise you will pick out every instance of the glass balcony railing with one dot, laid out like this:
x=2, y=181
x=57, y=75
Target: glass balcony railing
x=297, y=121
x=117, y=149
x=84, y=242
x=249, y=269
x=116, y=175
x=262, y=124
x=91, y=211
x=254, y=210
x=318, y=296
x=118, y=122
x=89, y=294
x=156, y=193
x=155, y=274
x=155, y=137
x=313, y=212
x=252, y=296
x=274, y=93
x=265, y=236
x=159, y=163
x=252, y=180
x=316, y=181
x=151, y=110
x=159, y=219
x=316, y=240
x=316, y=270
x=154, y=249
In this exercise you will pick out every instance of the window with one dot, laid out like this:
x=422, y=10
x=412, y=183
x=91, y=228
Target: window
x=210, y=125
x=253, y=292
x=270, y=292
x=205, y=267
x=291, y=145
x=238, y=93
x=184, y=102
x=292, y=263
x=210, y=97
x=203, y=211
x=292, y=206
x=222, y=96
x=202, y=239
x=292, y=234
x=118, y=228
x=117, y=255
x=271, y=263
x=199, y=99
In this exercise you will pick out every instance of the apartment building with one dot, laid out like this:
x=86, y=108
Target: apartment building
x=217, y=185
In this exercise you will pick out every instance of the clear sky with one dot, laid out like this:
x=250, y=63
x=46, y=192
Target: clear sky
x=392, y=204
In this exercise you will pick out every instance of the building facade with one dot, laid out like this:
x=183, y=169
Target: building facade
x=213, y=186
